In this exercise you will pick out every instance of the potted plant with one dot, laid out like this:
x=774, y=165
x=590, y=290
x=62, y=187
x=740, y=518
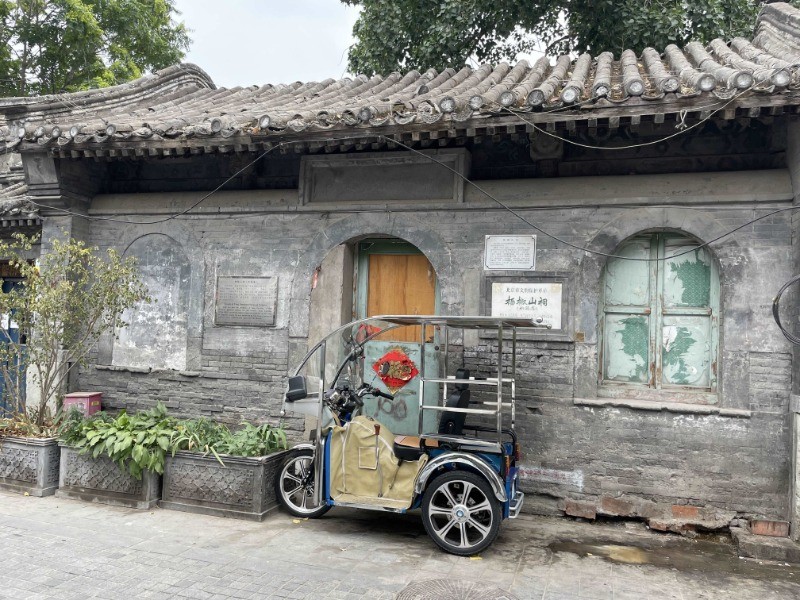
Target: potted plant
x=52, y=312
x=116, y=460
x=213, y=470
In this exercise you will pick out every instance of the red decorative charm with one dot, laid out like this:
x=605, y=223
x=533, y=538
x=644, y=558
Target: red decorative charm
x=399, y=372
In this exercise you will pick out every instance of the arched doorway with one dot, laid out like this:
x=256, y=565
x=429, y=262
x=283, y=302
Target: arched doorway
x=379, y=276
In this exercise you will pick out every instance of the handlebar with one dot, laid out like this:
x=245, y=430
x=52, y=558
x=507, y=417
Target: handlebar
x=380, y=394
x=368, y=389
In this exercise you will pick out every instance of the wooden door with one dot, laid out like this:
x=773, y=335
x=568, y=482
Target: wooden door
x=394, y=278
x=401, y=284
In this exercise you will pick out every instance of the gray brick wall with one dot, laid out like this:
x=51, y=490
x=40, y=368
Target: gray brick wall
x=594, y=455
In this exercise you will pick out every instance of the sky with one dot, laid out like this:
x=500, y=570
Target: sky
x=253, y=42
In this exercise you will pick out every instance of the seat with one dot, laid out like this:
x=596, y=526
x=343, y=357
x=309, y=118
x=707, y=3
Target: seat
x=408, y=447
x=411, y=447
x=452, y=423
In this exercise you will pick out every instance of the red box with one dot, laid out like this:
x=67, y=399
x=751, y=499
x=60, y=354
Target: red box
x=87, y=403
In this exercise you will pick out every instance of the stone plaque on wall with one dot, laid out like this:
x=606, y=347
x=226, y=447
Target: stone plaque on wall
x=428, y=176
x=246, y=301
x=510, y=253
x=528, y=301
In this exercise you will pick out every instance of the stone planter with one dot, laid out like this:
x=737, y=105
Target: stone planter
x=101, y=480
x=29, y=465
x=243, y=489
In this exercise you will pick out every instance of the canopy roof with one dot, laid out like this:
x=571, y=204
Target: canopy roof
x=180, y=107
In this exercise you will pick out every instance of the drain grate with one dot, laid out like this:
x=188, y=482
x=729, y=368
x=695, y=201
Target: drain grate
x=448, y=589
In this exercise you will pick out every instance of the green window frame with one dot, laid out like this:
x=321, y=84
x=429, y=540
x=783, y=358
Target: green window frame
x=660, y=320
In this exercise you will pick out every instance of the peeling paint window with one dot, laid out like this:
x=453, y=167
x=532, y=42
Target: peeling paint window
x=660, y=318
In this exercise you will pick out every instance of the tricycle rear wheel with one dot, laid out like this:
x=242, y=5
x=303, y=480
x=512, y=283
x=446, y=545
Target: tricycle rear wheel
x=294, y=486
x=460, y=513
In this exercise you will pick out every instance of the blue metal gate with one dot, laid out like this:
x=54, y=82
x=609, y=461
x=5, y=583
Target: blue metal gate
x=15, y=367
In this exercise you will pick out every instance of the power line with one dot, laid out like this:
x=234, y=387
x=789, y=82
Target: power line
x=582, y=248
x=466, y=180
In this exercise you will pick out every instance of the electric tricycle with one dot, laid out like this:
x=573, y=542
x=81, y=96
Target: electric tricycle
x=391, y=371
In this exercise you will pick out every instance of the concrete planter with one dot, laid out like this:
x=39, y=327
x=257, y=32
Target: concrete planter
x=243, y=489
x=29, y=465
x=101, y=480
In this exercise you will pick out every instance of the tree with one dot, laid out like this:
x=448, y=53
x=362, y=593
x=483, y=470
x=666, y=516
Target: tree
x=419, y=34
x=57, y=314
x=53, y=46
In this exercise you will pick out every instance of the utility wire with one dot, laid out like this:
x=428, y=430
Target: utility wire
x=468, y=181
x=575, y=246
x=680, y=131
x=776, y=311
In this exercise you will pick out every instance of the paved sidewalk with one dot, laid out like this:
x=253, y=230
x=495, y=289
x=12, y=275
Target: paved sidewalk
x=64, y=549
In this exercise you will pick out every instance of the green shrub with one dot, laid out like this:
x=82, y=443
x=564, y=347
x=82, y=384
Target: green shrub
x=142, y=440
x=135, y=442
x=202, y=435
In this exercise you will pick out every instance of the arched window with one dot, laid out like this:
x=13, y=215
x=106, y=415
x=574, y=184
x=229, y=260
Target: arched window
x=156, y=336
x=660, y=319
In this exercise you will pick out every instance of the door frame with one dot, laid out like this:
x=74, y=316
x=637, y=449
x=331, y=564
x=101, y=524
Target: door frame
x=395, y=246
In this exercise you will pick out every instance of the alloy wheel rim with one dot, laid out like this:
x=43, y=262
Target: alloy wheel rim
x=297, y=484
x=460, y=514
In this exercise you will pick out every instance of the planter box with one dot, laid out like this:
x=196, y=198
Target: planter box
x=243, y=489
x=101, y=480
x=29, y=465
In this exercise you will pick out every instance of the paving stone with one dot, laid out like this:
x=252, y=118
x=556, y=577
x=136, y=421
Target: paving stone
x=57, y=548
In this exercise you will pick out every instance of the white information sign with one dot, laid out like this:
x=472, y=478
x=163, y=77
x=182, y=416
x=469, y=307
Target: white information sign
x=528, y=301
x=509, y=253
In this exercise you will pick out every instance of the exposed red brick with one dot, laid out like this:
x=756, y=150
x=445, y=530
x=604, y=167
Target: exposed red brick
x=674, y=526
x=576, y=508
x=770, y=528
x=683, y=511
x=616, y=506
x=658, y=525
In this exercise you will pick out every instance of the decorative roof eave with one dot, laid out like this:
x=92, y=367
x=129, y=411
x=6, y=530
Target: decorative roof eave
x=177, y=76
x=422, y=134
x=180, y=108
x=16, y=209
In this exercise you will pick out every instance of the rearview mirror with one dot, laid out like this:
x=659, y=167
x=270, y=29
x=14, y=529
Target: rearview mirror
x=296, y=389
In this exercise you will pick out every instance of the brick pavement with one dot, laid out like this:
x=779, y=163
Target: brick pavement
x=65, y=549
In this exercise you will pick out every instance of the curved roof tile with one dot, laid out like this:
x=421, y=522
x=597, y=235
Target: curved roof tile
x=181, y=102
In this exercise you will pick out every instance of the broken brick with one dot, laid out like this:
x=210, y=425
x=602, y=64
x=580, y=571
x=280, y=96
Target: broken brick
x=683, y=511
x=616, y=506
x=576, y=508
x=770, y=528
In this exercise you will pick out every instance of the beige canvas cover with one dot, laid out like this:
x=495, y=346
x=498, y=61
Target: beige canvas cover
x=364, y=469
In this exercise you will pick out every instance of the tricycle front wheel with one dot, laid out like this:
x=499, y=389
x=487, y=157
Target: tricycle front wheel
x=460, y=513
x=294, y=486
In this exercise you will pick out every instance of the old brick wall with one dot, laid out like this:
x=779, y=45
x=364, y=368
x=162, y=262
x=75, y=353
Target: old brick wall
x=623, y=459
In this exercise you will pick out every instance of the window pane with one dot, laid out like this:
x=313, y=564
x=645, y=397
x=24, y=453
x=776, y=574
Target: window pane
x=628, y=281
x=686, y=351
x=626, y=354
x=687, y=278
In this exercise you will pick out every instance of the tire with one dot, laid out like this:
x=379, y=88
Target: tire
x=461, y=513
x=294, y=486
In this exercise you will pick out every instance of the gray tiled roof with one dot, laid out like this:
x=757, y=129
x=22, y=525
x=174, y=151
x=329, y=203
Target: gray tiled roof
x=15, y=208
x=181, y=103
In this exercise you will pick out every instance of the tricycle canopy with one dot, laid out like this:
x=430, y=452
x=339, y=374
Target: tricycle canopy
x=338, y=359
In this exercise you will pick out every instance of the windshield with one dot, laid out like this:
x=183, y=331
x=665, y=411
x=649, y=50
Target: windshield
x=334, y=360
